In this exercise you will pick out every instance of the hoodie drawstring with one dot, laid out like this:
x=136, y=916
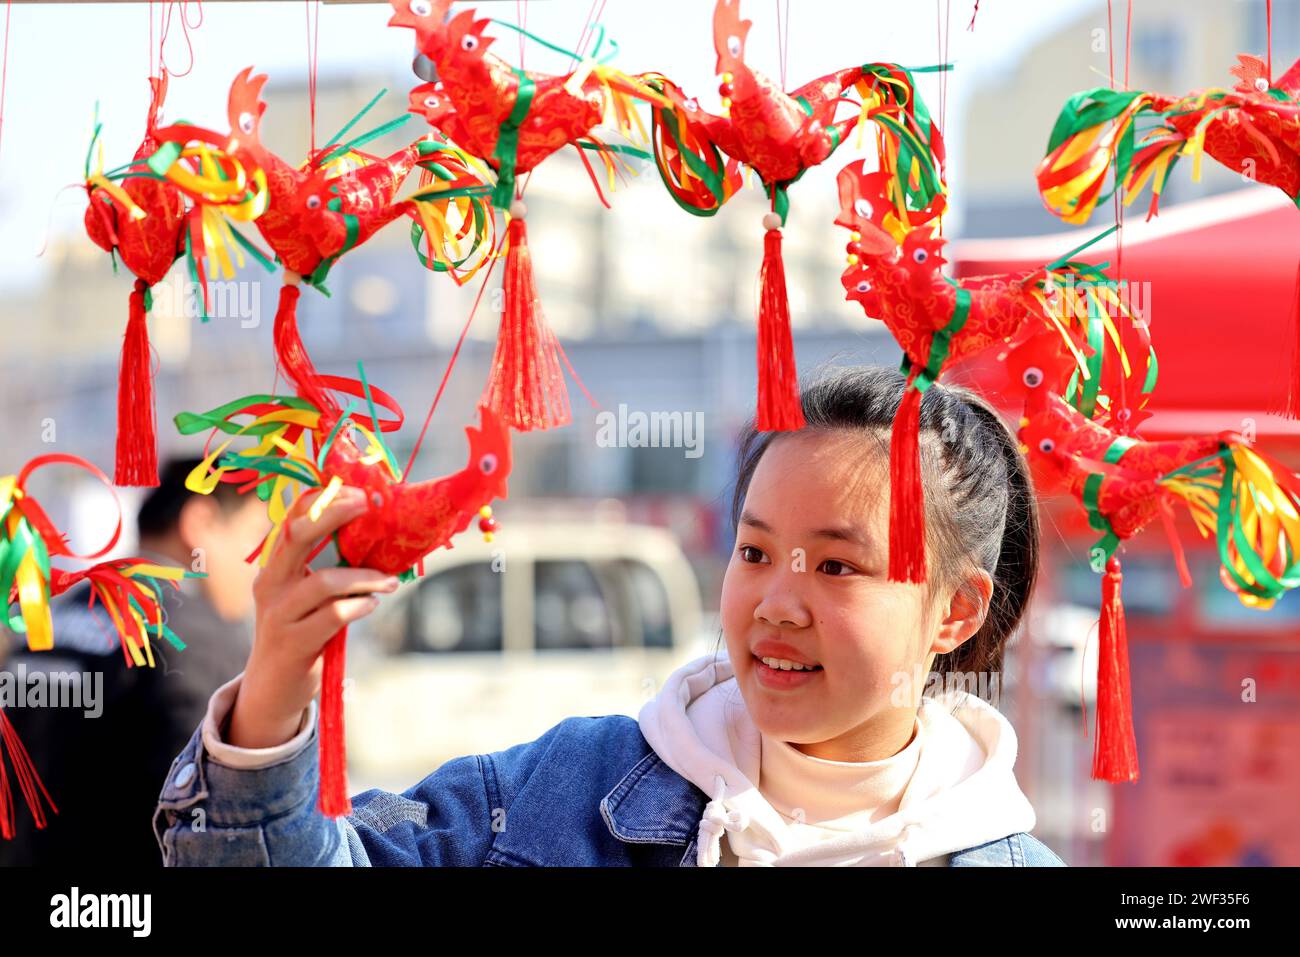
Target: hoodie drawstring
x=901, y=858
x=715, y=820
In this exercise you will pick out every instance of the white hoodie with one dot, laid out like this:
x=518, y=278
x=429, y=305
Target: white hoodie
x=957, y=785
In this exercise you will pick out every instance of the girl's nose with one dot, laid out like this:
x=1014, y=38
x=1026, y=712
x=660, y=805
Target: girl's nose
x=781, y=605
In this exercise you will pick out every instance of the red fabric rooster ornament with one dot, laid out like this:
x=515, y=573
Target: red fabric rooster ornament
x=406, y=521
x=780, y=136
x=1253, y=129
x=337, y=200
x=142, y=223
x=513, y=119
x=894, y=272
x=1249, y=502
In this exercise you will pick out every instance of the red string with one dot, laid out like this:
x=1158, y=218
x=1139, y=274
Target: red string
x=313, y=55
x=1268, y=21
x=521, y=14
x=1121, y=427
x=782, y=38
x=4, y=69
x=587, y=30
x=186, y=27
x=938, y=42
x=785, y=54
x=1128, y=41
x=582, y=37
x=943, y=76
x=447, y=373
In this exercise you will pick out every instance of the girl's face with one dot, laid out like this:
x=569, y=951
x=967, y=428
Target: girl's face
x=809, y=572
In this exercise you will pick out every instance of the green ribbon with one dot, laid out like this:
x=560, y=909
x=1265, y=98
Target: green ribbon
x=188, y=423
x=600, y=39
x=329, y=439
x=1229, y=529
x=374, y=418
x=507, y=151
x=11, y=555
x=702, y=171
x=940, y=342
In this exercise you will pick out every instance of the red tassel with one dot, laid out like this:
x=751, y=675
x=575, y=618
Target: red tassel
x=334, y=800
x=906, y=496
x=1292, y=407
x=291, y=356
x=526, y=386
x=137, y=435
x=1114, y=756
x=28, y=781
x=779, y=408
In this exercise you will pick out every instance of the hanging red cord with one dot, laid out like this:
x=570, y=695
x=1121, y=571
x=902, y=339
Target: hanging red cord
x=4, y=69
x=415, y=450
x=186, y=27
x=582, y=37
x=1268, y=26
x=782, y=38
x=1119, y=425
x=587, y=31
x=313, y=55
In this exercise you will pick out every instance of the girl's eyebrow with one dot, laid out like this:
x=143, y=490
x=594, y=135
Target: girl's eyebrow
x=844, y=534
x=841, y=534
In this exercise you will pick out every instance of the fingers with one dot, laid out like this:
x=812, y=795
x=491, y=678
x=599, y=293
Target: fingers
x=318, y=627
x=300, y=534
x=307, y=594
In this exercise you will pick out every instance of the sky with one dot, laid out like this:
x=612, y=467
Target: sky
x=63, y=58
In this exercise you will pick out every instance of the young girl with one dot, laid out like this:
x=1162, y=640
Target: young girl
x=809, y=743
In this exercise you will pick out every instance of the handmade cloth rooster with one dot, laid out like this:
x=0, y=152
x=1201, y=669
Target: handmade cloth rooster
x=514, y=119
x=780, y=136
x=1247, y=501
x=129, y=589
x=894, y=272
x=142, y=222
x=305, y=441
x=341, y=197
x=1253, y=129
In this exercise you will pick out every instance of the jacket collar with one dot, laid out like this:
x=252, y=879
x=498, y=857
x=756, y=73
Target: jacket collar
x=653, y=804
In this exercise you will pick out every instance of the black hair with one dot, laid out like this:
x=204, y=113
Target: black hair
x=980, y=507
x=161, y=509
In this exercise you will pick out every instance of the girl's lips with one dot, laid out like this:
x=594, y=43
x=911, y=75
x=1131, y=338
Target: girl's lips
x=779, y=679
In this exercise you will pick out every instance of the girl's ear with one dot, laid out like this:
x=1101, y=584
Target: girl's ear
x=965, y=612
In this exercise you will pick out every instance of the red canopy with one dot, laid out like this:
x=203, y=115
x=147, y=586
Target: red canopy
x=1217, y=282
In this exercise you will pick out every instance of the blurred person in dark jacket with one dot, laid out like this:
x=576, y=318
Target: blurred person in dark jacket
x=145, y=715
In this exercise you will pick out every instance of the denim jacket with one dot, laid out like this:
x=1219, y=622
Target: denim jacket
x=588, y=792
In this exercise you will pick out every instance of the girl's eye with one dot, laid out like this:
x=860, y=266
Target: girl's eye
x=748, y=553
x=841, y=569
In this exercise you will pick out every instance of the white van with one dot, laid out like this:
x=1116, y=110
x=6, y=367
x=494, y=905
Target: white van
x=497, y=642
